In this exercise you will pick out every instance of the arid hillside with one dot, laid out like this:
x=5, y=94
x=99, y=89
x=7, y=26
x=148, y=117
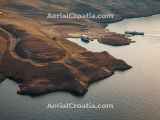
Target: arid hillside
x=40, y=60
x=35, y=53
x=121, y=8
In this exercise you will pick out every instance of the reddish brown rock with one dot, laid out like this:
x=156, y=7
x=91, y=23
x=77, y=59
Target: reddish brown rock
x=41, y=65
x=115, y=39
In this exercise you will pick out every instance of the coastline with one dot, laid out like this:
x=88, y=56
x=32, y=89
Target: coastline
x=52, y=63
x=132, y=17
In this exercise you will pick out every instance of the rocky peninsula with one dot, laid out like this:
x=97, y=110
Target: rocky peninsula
x=41, y=62
x=35, y=53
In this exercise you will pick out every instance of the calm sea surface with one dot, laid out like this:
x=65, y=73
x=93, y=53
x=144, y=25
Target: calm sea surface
x=134, y=93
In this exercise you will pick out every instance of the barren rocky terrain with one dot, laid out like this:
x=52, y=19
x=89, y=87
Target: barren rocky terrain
x=35, y=53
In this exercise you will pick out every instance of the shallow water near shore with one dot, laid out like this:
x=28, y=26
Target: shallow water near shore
x=135, y=93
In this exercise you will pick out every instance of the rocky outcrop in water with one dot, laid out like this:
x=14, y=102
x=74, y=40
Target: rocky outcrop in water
x=115, y=39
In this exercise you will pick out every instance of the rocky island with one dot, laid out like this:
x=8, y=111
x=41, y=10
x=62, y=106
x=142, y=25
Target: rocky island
x=35, y=53
x=115, y=39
